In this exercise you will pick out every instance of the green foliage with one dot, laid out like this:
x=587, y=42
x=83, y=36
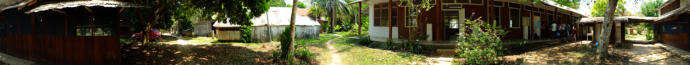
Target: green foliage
x=246, y=35
x=568, y=3
x=481, y=44
x=278, y=3
x=285, y=41
x=302, y=52
x=301, y=5
x=184, y=11
x=335, y=10
x=649, y=8
x=599, y=8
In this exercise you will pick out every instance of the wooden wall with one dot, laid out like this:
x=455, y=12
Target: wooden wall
x=677, y=37
x=50, y=38
x=65, y=50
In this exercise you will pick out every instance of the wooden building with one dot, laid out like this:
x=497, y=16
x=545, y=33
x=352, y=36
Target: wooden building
x=522, y=20
x=590, y=28
x=64, y=32
x=671, y=27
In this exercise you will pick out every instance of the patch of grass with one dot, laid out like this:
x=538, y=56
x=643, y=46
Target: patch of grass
x=353, y=54
x=201, y=40
x=323, y=38
x=125, y=40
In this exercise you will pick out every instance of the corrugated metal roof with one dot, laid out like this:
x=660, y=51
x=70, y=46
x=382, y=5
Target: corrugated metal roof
x=277, y=16
x=281, y=16
x=71, y=4
x=9, y=4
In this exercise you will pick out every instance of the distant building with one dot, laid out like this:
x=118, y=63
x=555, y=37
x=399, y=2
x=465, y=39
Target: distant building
x=271, y=24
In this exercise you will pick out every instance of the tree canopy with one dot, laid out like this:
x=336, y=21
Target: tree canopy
x=568, y=3
x=599, y=8
x=162, y=13
x=649, y=8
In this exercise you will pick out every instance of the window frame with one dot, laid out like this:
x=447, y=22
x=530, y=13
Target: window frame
x=510, y=17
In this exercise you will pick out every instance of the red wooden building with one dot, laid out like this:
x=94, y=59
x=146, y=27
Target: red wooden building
x=522, y=20
x=63, y=32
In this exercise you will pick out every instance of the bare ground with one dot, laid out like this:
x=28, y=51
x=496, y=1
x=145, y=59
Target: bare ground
x=583, y=53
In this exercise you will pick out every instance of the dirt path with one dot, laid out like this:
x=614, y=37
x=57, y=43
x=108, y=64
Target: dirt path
x=334, y=52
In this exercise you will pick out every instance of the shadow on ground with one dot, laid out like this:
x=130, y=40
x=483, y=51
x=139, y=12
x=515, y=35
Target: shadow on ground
x=211, y=54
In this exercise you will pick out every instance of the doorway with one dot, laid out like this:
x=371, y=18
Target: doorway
x=451, y=19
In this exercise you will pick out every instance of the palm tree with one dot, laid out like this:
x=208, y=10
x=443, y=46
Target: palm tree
x=333, y=7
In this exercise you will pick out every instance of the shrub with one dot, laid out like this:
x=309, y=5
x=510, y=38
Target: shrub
x=285, y=41
x=480, y=44
x=246, y=35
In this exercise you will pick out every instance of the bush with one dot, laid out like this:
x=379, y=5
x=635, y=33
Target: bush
x=300, y=50
x=481, y=43
x=246, y=35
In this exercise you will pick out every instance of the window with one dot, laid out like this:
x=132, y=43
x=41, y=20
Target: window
x=514, y=18
x=498, y=4
x=451, y=19
x=497, y=16
x=477, y=2
x=411, y=19
x=93, y=31
x=381, y=15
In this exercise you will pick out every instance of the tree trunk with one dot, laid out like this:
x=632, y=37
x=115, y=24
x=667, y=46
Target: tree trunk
x=292, y=34
x=606, y=31
x=359, y=21
x=331, y=20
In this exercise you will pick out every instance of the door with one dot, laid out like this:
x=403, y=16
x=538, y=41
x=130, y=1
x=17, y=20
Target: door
x=525, y=27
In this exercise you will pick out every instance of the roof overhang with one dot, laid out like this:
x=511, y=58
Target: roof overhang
x=10, y=4
x=622, y=19
x=72, y=4
x=673, y=14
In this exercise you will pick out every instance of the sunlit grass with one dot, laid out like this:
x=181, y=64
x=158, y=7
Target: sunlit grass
x=353, y=54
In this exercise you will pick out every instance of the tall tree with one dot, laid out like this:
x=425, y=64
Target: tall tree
x=649, y=8
x=334, y=8
x=291, y=46
x=155, y=16
x=603, y=39
x=239, y=11
x=600, y=6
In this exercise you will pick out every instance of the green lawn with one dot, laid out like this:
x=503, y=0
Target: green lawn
x=350, y=52
x=353, y=54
